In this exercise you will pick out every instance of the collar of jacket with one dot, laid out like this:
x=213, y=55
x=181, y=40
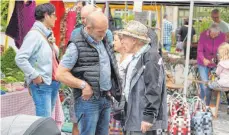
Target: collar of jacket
x=40, y=26
x=139, y=68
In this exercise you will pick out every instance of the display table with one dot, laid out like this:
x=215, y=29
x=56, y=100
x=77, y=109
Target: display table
x=19, y=102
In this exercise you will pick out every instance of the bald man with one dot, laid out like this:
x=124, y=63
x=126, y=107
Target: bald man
x=85, y=11
x=90, y=68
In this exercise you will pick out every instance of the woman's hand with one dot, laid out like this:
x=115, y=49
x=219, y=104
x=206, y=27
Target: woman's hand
x=206, y=62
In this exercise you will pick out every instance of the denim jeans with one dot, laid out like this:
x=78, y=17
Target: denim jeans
x=205, y=90
x=167, y=47
x=44, y=97
x=93, y=115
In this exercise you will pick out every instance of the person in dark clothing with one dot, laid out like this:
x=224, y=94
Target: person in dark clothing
x=90, y=68
x=183, y=32
x=154, y=40
x=144, y=85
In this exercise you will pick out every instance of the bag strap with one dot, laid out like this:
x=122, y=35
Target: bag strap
x=185, y=38
x=50, y=44
x=197, y=103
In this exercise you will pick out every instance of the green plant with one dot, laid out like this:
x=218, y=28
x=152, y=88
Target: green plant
x=10, y=79
x=3, y=88
x=4, y=14
x=202, y=25
x=9, y=68
x=128, y=18
x=153, y=23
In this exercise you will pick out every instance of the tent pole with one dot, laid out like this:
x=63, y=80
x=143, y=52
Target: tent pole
x=107, y=9
x=188, y=48
x=126, y=9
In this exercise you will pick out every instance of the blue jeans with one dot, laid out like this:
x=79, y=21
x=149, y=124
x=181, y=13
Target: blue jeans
x=93, y=115
x=44, y=97
x=167, y=47
x=205, y=90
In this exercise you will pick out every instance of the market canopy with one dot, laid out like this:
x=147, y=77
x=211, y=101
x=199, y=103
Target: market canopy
x=170, y=2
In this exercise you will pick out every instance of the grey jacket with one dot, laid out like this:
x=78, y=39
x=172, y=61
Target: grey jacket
x=147, y=97
x=35, y=55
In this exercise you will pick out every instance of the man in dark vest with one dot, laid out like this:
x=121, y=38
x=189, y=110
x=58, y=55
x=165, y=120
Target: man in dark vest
x=89, y=66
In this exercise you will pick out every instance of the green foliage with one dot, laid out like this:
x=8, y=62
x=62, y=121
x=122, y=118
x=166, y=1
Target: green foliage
x=225, y=14
x=128, y=18
x=153, y=23
x=4, y=14
x=3, y=88
x=9, y=67
x=202, y=25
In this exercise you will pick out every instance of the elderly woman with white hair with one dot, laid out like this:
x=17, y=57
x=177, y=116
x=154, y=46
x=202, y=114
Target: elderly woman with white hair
x=144, y=85
x=209, y=42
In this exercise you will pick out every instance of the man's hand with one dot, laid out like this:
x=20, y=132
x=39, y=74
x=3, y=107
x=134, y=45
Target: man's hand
x=145, y=126
x=87, y=92
x=206, y=62
x=38, y=80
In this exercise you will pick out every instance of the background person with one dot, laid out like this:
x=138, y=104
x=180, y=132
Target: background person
x=209, y=42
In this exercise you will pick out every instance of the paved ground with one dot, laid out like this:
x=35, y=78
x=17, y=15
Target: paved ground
x=221, y=125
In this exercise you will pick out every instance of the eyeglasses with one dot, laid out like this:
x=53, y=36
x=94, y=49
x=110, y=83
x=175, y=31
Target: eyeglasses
x=215, y=17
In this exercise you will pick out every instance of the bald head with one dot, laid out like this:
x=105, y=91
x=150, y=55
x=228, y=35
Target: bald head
x=97, y=18
x=85, y=11
x=97, y=24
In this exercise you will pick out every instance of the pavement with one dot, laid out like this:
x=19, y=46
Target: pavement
x=221, y=124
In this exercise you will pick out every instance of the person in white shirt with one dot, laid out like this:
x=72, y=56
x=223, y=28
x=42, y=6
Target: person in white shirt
x=122, y=57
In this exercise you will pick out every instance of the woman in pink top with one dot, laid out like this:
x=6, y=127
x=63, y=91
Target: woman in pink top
x=209, y=42
x=222, y=71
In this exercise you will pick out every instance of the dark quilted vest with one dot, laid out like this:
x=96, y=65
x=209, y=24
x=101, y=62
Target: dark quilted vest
x=87, y=66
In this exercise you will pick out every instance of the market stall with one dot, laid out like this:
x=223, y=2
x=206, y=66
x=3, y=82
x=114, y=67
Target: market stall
x=24, y=100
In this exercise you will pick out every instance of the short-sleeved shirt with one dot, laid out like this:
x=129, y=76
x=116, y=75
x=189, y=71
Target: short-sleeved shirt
x=224, y=27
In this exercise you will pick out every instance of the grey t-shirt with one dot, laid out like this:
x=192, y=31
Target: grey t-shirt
x=224, y=27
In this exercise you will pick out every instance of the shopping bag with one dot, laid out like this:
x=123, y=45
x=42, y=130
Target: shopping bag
x=179, y=117
x=201, y=118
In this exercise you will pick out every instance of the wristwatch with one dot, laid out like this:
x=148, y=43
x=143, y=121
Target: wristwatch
x=83, y=85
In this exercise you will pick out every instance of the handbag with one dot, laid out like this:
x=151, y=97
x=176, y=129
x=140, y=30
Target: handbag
x=115, y=127
x=180, y=44
x=118, y=109
x=179, y=117
x=201, y=121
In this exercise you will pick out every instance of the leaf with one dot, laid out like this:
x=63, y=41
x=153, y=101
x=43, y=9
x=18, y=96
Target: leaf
x=9, y=67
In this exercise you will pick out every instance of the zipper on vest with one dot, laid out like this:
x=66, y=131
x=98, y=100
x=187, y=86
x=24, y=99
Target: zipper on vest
x=99, y=64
